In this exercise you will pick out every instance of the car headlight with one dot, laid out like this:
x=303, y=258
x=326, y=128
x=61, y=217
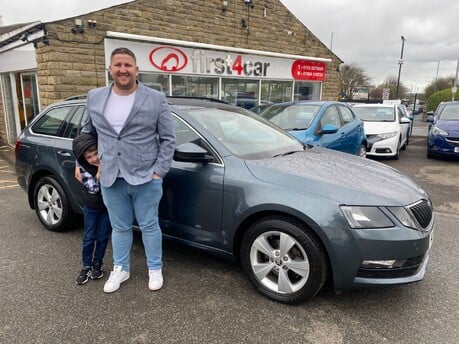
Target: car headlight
x=438, y=131
x=385, y=136
x=404, y=216
x=365, y=217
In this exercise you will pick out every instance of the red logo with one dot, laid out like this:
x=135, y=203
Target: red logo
x=168, y=59
x=308, y=70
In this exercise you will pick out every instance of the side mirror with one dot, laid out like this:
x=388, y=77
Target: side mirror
x=329, y=129
x=430, y=118
x=405, y=120
x=191, y=152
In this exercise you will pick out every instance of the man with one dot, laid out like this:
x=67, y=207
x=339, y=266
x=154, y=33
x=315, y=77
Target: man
x=136, y=142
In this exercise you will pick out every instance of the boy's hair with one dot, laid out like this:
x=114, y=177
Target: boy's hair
x=90, y=149
x=123, y=51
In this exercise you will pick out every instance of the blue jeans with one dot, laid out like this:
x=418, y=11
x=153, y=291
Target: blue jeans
x=124, y=202
x=96, y=234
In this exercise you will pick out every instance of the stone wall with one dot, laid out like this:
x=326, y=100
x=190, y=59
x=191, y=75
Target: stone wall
x=2, y=119
x=74, y=63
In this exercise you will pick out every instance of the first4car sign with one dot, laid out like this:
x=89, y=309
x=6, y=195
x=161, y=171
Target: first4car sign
x=195, y=61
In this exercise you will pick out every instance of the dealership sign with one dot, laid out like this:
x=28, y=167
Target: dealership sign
x=170, y=59
x=308, y=70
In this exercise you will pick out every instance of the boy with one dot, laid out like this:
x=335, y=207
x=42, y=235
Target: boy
x=97, y=226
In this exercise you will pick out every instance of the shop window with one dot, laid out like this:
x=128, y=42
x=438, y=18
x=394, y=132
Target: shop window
x=273, y=91
x=240, y=92
x=159, y=82
x=191, y=86
x=307, y=91
x=29, y=97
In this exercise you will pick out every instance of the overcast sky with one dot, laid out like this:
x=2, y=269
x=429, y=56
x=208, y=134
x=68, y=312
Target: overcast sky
x=365, y=32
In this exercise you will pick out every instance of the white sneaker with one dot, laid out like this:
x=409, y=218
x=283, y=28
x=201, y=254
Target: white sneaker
x=155, y=281
x=116, y=278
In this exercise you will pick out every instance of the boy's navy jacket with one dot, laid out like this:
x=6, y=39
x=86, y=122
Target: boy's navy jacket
x=91, y=199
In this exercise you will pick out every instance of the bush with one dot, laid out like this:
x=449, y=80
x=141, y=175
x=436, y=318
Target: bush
x=438, y=97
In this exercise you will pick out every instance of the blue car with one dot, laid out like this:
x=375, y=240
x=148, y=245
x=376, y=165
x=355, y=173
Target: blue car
x=327, y=124
x=443, y=137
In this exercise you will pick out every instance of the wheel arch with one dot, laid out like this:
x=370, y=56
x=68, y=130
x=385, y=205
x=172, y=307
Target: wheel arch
x=75, y=208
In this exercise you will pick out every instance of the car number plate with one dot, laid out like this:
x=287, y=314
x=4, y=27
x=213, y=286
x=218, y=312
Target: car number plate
x=456, y=149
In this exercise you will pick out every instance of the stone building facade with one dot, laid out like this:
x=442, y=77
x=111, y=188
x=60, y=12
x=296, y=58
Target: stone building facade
x=71, y=55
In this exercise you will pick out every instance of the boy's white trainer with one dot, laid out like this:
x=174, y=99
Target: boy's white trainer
x=117, y=276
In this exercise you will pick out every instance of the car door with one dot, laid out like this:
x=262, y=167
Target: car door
x=404, y=127
x=191, y=206
x=336, y=140
x=352, y=130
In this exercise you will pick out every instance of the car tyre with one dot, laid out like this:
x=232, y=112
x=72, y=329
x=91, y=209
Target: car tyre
x=397, y=153
x=51, y=204
x=362, y=151
x=283, y=260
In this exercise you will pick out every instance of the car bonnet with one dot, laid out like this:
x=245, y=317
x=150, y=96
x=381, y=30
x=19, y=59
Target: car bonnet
x=340, y=176
x=374, y=128
x=452, y=127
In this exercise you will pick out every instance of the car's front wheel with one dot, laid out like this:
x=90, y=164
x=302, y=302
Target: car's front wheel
x=283, y=260
x=51, y=204
x=362, y=151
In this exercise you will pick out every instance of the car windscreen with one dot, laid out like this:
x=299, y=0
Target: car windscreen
x=293, y=116
x=245, y=135
x=375, y=114
x=450, y=113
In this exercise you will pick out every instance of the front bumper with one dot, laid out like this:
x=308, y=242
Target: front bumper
x=408, y=248
x=387, y=147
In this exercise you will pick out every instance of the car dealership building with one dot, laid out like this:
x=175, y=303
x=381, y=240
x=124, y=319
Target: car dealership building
x=246, y=52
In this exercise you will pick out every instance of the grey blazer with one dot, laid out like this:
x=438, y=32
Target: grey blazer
x=145, y=144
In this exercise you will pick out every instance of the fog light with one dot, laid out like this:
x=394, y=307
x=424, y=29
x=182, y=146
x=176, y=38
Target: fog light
x=382, y=264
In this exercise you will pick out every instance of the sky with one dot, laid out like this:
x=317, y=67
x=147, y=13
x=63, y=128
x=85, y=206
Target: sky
x=364, y=32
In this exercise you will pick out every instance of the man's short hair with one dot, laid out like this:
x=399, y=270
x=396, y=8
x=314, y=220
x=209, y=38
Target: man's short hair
x=123, y=51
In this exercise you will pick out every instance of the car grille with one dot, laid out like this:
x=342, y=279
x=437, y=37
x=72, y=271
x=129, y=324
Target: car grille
x=410, y=268
x=453, y=141
x=422, y=211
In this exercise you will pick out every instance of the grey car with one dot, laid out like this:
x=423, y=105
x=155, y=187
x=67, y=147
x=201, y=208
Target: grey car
x=294, y=217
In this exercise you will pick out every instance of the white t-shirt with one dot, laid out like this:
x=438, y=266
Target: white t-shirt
x=117, y=109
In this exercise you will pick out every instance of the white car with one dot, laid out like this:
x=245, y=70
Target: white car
x=386, y=127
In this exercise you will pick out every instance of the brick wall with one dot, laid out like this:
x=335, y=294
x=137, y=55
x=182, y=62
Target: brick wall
x=74, y=63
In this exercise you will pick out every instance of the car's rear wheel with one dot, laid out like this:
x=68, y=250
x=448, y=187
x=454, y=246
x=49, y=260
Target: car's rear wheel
x=283, y=260
x=51, y=204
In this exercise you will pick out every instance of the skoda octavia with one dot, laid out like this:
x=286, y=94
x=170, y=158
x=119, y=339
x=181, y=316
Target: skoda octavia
x=294, y=217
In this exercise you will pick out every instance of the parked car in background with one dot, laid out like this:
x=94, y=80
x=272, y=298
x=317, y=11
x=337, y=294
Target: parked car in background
x=386, y=127
x=295, y=217
x=327, y=124
x=443, y=136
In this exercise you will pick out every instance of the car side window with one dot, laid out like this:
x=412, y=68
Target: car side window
x=347, y=114
x=184, y=134
x=52, y=122
x=330, y=116
x=74, y=124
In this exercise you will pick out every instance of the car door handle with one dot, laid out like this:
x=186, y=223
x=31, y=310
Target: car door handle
x=64, y=153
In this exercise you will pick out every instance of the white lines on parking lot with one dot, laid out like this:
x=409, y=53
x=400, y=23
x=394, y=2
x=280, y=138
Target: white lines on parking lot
x=6, y=174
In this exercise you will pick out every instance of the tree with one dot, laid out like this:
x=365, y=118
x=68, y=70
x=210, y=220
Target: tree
x=351, y=77
x=391, y=84
x=438, y=85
